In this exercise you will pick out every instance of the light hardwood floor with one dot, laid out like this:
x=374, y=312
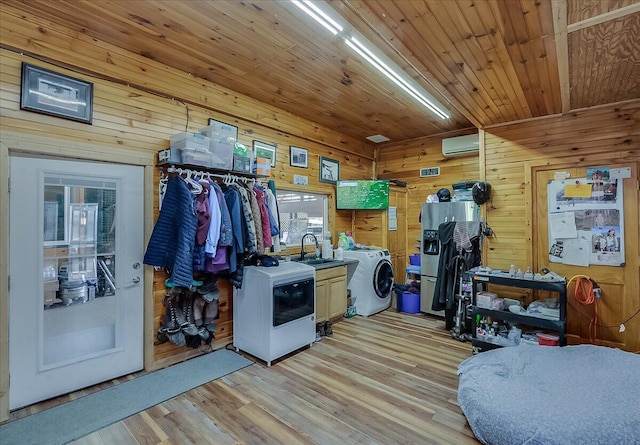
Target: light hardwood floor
x=386, y=379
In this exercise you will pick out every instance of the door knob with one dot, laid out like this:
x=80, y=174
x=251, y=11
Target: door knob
x=135, y=280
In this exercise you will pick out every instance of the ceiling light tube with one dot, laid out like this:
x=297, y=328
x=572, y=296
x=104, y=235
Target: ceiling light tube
x=394, y=77
x=322, y=14
x=399, y=80
x=315, y=16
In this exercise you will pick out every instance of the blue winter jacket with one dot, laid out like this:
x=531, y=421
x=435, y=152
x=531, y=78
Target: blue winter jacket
x=173, y=238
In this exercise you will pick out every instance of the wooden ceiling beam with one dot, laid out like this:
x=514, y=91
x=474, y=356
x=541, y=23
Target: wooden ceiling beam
x=607, y=16
x=559, y=8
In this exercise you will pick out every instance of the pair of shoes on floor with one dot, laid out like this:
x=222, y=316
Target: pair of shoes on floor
x=328, y=329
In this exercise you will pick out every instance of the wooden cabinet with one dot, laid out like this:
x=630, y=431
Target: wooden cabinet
x=331, y=293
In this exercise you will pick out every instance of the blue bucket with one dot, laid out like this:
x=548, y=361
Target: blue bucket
x=410, y=303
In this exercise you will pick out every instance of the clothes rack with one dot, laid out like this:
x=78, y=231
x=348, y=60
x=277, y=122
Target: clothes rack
x=227, y=177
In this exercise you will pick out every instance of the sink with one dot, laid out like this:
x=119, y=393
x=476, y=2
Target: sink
x=313, y=261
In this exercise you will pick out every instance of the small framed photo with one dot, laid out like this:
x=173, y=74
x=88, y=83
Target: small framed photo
x=299, y=157
x=47, y=92
x=264, y=150
x=329, y=170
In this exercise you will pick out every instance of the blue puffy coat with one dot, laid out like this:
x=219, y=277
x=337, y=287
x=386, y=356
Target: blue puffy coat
x=173, y=238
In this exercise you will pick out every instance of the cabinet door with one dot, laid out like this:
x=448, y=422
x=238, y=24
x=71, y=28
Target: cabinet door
x=337, y=296
x=321, y=300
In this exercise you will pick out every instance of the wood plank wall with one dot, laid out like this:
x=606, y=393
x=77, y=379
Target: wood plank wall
x=592, y=137
x=599, y=136
x=404, y=161
x=129, y=117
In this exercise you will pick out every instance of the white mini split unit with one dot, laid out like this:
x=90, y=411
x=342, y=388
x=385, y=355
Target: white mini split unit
x=461, y=145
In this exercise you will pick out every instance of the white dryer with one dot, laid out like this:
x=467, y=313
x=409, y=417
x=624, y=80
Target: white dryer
x=372, y=281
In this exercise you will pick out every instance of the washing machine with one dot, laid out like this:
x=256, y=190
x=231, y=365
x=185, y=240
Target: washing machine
x=372, y=280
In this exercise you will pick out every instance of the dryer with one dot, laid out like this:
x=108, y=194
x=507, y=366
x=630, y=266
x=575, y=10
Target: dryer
x=372, y=280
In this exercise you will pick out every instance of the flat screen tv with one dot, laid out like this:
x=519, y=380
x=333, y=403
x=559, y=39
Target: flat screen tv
x=362, y=195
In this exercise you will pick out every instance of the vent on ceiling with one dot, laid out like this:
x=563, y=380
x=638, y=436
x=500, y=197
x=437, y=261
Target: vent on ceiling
x=377, y=138
x=429, y=171
x=461, y=145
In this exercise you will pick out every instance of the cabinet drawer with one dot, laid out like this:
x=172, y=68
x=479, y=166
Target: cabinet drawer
x=332, y=272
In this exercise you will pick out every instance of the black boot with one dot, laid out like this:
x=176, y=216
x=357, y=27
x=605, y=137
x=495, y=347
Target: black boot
x=328, y=329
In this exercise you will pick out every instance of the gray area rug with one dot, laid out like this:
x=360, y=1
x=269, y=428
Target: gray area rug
x=90, y=413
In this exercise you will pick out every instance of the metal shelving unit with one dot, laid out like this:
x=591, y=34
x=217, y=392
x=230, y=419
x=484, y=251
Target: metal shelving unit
x=480, y=282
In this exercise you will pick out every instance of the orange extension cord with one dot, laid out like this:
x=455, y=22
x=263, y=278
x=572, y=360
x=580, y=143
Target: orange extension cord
x=583, y=292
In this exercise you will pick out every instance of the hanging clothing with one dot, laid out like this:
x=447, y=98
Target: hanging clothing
x=272, y=205
x=213, y=235
x=226, y=231
x=255, y=212
x=235, y=253
x=264, y=216
x=459, y=252
x=173, y=238
x=250, y=243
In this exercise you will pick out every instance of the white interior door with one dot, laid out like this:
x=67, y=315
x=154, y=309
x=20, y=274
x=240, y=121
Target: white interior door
x=76, y=290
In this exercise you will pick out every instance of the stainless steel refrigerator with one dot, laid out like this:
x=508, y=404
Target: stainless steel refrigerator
x=434, y=214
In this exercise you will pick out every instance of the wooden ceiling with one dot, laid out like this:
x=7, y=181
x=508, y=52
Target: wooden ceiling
x=488, y=61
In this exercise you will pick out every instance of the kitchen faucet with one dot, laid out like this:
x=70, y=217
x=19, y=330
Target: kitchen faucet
x=302, y=244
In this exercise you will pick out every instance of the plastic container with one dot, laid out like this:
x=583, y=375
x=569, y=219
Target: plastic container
x=343, y=241
x=410, y=303
x=196, y=158
x=547, y=339
x=190, y=141
x=222, y=154
x=339, y=254
x=414, y=259
x=350, y=241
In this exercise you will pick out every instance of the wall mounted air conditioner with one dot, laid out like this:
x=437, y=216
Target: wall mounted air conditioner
x=461, y=145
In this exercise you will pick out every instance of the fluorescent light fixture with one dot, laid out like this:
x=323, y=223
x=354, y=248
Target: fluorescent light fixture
x=395, y=77
x=335, y=28
x=318, y=15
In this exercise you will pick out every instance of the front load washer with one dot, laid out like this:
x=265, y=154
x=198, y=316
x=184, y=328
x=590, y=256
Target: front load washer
x=372, y=281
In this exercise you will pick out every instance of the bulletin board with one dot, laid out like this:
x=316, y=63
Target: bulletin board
x=586, y=219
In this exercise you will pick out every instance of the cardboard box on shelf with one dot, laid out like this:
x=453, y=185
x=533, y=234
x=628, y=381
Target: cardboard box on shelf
x=485, y=299
x=263, y=166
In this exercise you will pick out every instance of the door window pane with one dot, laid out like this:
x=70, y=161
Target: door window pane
x=79, y=310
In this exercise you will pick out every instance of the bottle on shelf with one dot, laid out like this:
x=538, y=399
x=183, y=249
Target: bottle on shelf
x=350, y=241
x=512, y=271
x=343, y=241
x=528, y=275
x=327, y=248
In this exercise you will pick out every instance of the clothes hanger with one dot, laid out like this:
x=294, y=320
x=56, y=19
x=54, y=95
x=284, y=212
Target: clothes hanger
x=196, y=187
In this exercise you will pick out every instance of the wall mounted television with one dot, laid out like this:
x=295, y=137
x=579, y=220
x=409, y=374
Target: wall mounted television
x=362, y=194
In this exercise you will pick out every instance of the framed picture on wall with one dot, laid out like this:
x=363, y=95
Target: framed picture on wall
x=264, y=150
x=329, y=170
x=299, y=157
x=47, y=92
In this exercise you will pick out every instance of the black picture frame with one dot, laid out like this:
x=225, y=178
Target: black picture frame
x=47, y=92
x=329, y=170
x=264, y=150
x=298, y=157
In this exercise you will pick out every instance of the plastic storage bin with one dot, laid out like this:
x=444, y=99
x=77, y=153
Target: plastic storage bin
x=190, y=142
x=410, y=303
x=547, y=339
x=222, y=155
x=203, y=159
